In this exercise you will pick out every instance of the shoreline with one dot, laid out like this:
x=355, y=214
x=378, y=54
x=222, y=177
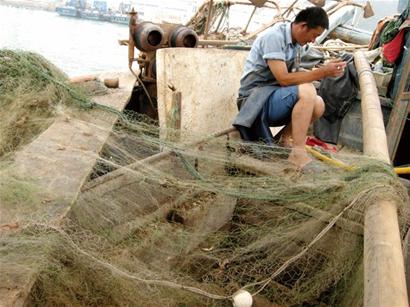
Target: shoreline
x=32, y=5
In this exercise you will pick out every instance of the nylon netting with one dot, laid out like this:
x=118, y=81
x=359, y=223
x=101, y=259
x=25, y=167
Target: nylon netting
x=167, y=223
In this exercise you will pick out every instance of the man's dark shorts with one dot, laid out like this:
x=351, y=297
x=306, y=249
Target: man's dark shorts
x=280, y=105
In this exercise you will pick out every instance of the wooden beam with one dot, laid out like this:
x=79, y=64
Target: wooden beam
x=374, y=135
x=405, y=96
x=208, y=18
x=384, y=278
x=174, y=118
x=264, y=168
x=399, y=113
x=118, y=178
x=351, y=35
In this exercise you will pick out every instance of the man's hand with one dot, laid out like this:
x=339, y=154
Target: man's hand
x=333, y=68
x=278, y=68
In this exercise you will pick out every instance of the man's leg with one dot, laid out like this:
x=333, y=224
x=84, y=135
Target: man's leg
x=318, y=111
x=286, y=137
x=308, y=108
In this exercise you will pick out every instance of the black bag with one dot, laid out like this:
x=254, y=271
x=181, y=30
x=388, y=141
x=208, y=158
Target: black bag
x=338, y=94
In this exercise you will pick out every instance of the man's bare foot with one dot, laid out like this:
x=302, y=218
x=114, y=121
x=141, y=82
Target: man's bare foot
x=299, y=157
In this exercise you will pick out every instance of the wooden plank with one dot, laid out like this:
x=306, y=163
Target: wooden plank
x=61, y=158
x=213, y=217
x=265, y=168
x=399, y=113
x=174, y=118
x=405, y=96
x=118, y=178
x=139, y=199
x=59, y=161
x=326, y=217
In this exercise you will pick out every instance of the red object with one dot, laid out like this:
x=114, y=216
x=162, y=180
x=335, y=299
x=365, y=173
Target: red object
x=392, y=49
x=312, y=141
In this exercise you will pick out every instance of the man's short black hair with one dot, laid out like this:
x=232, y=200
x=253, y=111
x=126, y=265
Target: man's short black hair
x=314, y=17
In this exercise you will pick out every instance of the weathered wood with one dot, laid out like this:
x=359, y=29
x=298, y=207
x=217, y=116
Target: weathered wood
x=59, y=161
x=384, y=278
x=374, y=135
x=174, y=118
x=137, y=198
x=385, y=283
x=211, y=218
x=326, y=217
x=125, y=230
x=399, y=113
x=208, y=18
x=340, y=48
x=80, y=79
x=406, y=251
x=256, y=166
x=405, y=96
x=265, y=168
x=198, y=224
x=351, y=35
x=153, y=201
x=118, y=178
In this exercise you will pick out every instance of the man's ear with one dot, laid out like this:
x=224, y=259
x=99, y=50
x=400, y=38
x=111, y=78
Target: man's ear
x=304, y=25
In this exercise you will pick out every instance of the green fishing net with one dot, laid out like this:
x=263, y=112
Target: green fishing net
x=161, y=221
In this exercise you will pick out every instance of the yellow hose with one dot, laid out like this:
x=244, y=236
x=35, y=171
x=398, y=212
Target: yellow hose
x=402, y=170
x=329, y=160
x=338, y=163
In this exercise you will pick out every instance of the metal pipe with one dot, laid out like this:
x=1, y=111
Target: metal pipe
x=131, y=45
x=384, y=278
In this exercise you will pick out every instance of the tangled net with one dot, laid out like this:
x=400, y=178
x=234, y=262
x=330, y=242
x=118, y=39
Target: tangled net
x=165, y=223
x=28, y=100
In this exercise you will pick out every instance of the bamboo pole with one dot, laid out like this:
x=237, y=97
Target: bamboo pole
x=208, y=19
x=374, y=133
x=340, y=48
x=81, y=79
x=249, y=20
x=384, y=278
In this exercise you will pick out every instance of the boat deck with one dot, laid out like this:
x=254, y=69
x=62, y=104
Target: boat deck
x=60, y=160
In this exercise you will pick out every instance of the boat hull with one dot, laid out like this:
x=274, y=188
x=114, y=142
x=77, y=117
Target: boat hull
x=68, y=11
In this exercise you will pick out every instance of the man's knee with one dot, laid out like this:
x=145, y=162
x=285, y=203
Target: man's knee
x=319, y=107
x=307, y=92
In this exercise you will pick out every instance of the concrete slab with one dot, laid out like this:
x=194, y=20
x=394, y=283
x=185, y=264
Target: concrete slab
x=208, y=80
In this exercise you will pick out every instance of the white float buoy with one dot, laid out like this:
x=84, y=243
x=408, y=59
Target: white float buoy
x=242, y=298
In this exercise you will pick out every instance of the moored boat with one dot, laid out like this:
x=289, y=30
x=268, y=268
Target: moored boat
x=192, y=223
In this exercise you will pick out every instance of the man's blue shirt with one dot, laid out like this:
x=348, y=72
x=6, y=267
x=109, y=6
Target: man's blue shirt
x=275, y=44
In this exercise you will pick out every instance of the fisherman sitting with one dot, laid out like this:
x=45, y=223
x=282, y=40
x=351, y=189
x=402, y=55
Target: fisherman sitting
x=274, y=93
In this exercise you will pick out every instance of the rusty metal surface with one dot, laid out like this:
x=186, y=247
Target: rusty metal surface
x=148, y=36
x=182, y=36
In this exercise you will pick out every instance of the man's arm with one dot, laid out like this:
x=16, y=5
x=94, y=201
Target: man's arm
x=280, y=71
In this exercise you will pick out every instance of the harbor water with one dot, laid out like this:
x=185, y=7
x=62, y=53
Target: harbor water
x=76, y=46
x=81, y=47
